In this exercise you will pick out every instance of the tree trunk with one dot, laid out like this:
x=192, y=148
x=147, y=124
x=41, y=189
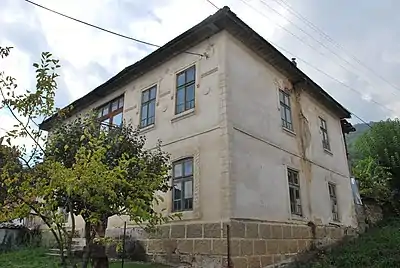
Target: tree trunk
x=88, y=243
x=100, y=259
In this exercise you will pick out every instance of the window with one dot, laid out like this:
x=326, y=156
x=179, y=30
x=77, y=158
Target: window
x=185, y=90
x=294, y=192
x=182, y=195
x=111, y=113
x=325, y=138
x=286, y=113
x=332, y=195
x=148, y=110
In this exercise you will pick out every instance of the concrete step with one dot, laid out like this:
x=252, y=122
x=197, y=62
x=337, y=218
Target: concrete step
x=53, y=254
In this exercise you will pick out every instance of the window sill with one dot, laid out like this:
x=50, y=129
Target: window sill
x=298, y=218
x=146, y=128
x=186, y=215
x=183, y=115
x=288, y=131
x=336, y=223
x=328, y=152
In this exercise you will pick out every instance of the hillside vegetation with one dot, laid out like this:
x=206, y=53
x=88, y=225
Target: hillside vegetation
x=377, y=248
x=352, y=137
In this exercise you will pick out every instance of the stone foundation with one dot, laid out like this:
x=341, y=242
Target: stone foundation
x=252, y=244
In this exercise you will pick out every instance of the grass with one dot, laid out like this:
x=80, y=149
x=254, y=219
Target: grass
x=377, y=248
x=37, y=258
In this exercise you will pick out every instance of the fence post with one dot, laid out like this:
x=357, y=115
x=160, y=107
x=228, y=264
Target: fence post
x=123, y=246
x=228, y=243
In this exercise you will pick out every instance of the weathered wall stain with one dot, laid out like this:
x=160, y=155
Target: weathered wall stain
x=303, y=143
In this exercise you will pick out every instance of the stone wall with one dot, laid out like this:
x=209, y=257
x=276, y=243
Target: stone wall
x=252, y=244
x=368, y=214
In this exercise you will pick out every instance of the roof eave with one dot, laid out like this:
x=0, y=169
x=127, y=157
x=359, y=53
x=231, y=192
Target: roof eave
x=224, y=19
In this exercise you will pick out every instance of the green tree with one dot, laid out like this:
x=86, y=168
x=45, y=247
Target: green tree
x=374, y=180
x=25, y=185
x=89, y=172
x=107, y=173
x=378, y=151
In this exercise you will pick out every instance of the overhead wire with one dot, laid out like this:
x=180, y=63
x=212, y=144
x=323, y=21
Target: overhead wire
x=103, y=29
x=326, y=74
x=287, y=6
x=312, y=37
x=193, y=53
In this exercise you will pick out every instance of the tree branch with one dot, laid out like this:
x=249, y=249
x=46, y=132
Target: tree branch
x=19, y=121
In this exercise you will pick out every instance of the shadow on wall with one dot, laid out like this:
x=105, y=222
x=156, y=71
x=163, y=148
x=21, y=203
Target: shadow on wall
x=13, y=237
x=134, y=251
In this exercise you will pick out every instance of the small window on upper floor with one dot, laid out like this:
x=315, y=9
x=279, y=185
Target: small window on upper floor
x=148, y=110
x=325, y=137
x=185, y=90
x=111, y=113
x=286, y=110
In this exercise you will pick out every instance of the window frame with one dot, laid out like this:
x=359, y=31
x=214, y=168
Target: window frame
x=333, y=201
x=111, y=114
x=295, y=187
x=148, y=106
x=182, y=180
x=323, y=126
x=287, y=107
x=185, y=87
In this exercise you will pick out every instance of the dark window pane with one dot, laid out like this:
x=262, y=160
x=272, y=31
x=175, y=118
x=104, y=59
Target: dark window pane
x=188, y=189
x=144, y=112
x=105, y=124
x=284, y=123
x=117, y=120
x=190, y=105
x=281, y=96
x=180, y=100
x=178, y=170
x=287, y=101
x=177, y=191
x=151, y=120
x=177, y=205
x=190, y=93
x=180, y=108
x=297, y=194
x=121, y=102
x=152, y=109
x=181, y=79
x=145, y=96
x=283, y=112
x=291, y=195
x=293, y=208
x=114, y=105
x=188, y=167
x=288, y=116
x=143, y=123
x=180, y=96
x=153, y=93
x=105, y=110
x=100, y=113
x=188, y=203
x=190, y=74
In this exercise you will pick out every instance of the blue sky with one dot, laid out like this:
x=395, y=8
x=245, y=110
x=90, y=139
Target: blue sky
x=360, y=31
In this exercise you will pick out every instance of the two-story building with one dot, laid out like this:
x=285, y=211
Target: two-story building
x=255, y=144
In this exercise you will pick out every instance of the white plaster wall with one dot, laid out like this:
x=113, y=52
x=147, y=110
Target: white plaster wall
x=197, y=134
x=262, y=150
